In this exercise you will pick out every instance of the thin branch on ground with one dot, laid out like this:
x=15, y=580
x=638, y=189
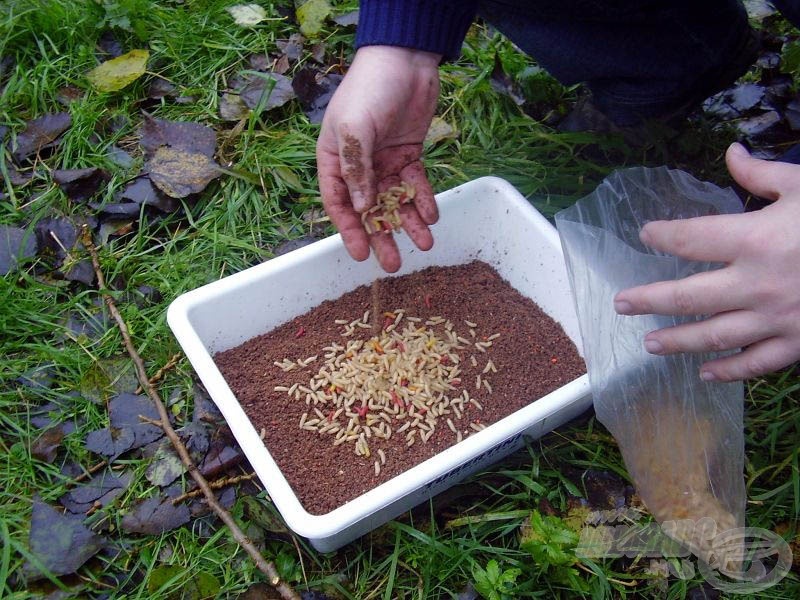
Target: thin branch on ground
x=214, y=485
x=263, y=565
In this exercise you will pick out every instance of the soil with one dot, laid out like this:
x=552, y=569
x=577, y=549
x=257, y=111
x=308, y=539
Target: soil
x=533, y=356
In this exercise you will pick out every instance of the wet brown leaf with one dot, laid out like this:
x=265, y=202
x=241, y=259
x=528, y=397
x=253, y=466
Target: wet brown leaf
x=268, y=91
x=179, y=173
x=46, y=446
x=154, y=516
x=60, y=542
x=40, y=133
x=186, y=135
x=80, y=184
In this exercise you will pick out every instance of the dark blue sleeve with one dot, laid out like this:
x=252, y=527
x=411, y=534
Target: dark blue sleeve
x=431, y=25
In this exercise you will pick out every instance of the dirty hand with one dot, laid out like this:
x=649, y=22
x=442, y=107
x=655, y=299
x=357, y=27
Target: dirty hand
x=371, y=140
x=754, y=300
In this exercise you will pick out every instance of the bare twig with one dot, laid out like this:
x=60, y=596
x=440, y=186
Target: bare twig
x=90, y=471
x=160, y=373
x=214, y=485
x=265, y=566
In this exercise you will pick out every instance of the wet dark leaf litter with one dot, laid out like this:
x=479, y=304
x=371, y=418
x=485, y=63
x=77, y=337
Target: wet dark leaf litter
x=102, y=489
x=60, y=542
x=155, y=515
x=126, y=430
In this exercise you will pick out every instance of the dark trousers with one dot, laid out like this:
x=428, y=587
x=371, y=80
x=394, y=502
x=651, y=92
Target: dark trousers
x=639, y=59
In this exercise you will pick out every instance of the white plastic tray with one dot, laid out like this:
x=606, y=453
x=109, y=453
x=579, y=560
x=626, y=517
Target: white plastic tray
x=484, y=219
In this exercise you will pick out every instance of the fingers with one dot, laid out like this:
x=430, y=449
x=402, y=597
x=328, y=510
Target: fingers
x=726, y=331
x=336, y=201
x=704, y=293
x=764, y=178
x=355, y=158
x=424, y=200
x=761, y=358
x=714, y=238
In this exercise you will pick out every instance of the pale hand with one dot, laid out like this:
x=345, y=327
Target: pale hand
x=371, y=140
x=753, y=302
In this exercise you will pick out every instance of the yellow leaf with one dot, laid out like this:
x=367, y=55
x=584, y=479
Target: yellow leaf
x=247, y=15
x=115, y=74
x=311, y=16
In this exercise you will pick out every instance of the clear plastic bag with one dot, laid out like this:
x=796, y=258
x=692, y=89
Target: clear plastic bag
x=681, y=438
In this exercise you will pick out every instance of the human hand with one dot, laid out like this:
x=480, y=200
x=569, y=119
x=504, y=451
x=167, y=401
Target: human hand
x=371, y=140
x=754, y=300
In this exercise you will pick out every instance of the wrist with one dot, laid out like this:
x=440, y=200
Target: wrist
x=414, y=58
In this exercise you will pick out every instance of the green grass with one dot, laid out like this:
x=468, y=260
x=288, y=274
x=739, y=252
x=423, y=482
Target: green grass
x=434, y=551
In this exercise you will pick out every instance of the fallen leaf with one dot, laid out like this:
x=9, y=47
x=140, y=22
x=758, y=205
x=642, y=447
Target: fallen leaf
x=109, y=44
x=126, y=431
x=254, y=511
x=115, y=74
x=221, y=456
x=90, y=323
x=440, y=130
x=759, y=124
x=179, y=173
x=267, y=91
x=204, y=408
x=199, y=584
x=59, y=240
x=314, y=91
x=80, y=184
x=154, y=516
x=59, y=542
x=40, y=376
x=161, y=88
x=165, y=467
x=318, y=52
x=291, y=47
x=349, y=19
x=193, y=137
x=114, y=227
x=501, y=82
x=282, y=65
x=247, y=15
x=69, y=94
x=16, y=245
x=311, y=15
x=232, y=108
x=142, y=191
x=46, y=446
x=101, y=490
x=259, y=62
x=119, y=157
x=40, y=133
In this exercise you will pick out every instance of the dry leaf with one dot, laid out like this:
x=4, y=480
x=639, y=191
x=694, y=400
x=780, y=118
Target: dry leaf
x=115, y=74
x=247, y=15
x=440, y=130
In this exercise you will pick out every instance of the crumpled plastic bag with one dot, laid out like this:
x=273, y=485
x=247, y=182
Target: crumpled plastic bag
x=681, y=438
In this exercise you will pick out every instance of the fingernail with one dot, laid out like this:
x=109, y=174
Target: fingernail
x=707, y=376
x=738, y=149
x=653, y=346
x=623, y=307
x=359, y=201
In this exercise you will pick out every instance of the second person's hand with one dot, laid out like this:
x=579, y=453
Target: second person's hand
x=371, y=140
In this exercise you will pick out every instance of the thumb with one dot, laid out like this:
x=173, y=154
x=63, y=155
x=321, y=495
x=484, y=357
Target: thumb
x=765, y=178
x=356, y=146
